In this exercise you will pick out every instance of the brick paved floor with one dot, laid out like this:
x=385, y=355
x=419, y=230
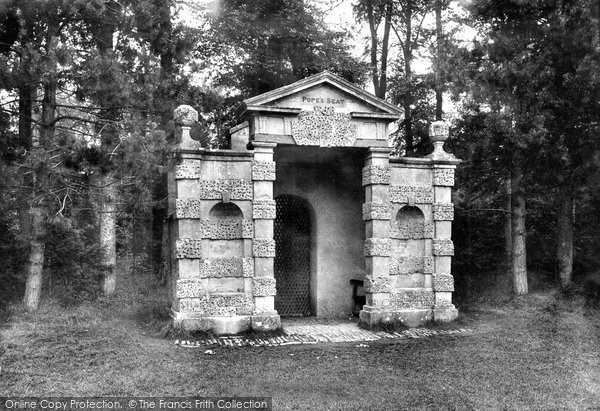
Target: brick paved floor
x=313, y=330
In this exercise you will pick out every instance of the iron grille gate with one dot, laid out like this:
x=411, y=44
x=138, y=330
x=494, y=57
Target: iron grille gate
x=292, y=258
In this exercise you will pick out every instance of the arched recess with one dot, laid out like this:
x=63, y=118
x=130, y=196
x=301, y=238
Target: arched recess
x=293, y=232
x=411, y=228
x=222, y=211
x=224, y=231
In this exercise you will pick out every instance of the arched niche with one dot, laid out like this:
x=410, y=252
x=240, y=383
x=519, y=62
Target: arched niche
x=410, y=227
x=225, y=211
x=223, y=229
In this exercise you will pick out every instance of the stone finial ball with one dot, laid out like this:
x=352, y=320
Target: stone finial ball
x=438, y=131
x=185, y=115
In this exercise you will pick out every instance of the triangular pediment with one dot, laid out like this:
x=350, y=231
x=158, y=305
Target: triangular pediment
x=323, y=89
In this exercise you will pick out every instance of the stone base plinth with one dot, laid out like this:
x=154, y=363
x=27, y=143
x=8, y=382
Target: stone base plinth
x=371, y=316
x=266, y=322
x=218, y=325
x=445, y=314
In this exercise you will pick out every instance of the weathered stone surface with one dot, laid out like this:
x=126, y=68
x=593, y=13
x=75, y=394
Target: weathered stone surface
x=445, y=314
x=264, y=209
x=427, y=265
x=377, y=284
x=242, y=304
x=263, y=286
x=220, y=311
x=443, y=282
x=237, y=189
x=227, y=229
x=324, y=127
x=376, y=175
x=263, y=170
x=265, y=322
x=443, y=177
x=193, y=305
x=187, y=208
x=381, y=247
x=263, y=247
x=411, y=230
x=185, y=115
x=443, y=211
x=188, y=169
x=376, y=211
x=411, y=194
x=188, y=248
x=411, y=265
x=227, y=267
x=190, y=288
x=443, y=247
x=218, y=305
x=411, y=299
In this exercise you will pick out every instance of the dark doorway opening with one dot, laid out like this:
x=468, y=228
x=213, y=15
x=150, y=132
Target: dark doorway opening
x=292, y=258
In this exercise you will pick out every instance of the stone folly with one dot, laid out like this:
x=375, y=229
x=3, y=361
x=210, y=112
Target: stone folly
x=307, y=199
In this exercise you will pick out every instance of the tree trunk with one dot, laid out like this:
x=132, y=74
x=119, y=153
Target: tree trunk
x=384, y=51
x=439, y=59
x=108, y=237
x=374, y=43
x=564, y=251
x=519, y=250
x=508, y=224
x=35, y=261
x=106, y=127
x=407, y=50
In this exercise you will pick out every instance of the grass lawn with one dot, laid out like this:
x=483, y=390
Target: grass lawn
x=534, y=352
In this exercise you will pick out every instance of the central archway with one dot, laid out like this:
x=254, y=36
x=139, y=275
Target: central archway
x=292, y=258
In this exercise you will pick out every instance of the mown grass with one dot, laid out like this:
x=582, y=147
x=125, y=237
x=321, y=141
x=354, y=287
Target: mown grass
x=533, y=352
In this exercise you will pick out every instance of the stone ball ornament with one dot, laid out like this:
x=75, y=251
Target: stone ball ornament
x=185, y=115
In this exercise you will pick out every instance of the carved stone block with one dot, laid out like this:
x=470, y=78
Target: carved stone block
x=237, y=189
x=187, y=208
x=377, y=284
x=193, y=305
x=263, y=247
x=324, y=127
x=188, y=169
x=443, y=177
x=377, y=247
x=263, y=170
x=227, y=229
x=412, y=299
x=263, y=286
x=189, y=288
x=427, y=265
x=263, y=209
x=220, y=311
x=411, y=265
x=443, y=211
x=376, y=211
x=411, y=194
x=411, y=230
x=376, y=175
x=188, y=248
x=443, y=282
x=227, y=267
x=443, y=247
